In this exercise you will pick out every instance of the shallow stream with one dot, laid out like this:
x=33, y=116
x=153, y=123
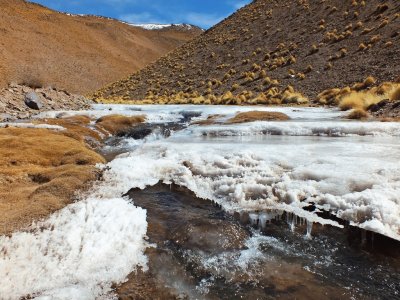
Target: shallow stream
x=301, y=209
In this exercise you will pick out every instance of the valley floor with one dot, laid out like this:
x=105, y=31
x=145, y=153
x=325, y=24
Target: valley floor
x=201, y=202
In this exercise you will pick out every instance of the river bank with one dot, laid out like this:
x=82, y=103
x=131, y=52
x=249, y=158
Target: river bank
x=47, y=163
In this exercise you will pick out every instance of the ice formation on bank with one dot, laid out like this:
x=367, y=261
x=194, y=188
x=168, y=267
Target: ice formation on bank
x=356, y=178
x=31, y=125
x=79, y=252
x=295, y=128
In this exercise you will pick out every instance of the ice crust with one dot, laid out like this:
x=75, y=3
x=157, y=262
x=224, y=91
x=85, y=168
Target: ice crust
x=79, y=251
x=31, y=125
x=312, y=128
x=174, y=113
x=353, y=172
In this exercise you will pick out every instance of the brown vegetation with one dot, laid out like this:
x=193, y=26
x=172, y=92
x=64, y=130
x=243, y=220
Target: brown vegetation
x=253, y=116
x=361, y=95
x=358, y=114
x=41, y=171
x=212, y=119
x=115, y=124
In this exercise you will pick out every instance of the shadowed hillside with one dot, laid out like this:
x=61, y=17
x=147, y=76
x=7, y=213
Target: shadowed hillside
x=273, y=52
x=39, y=46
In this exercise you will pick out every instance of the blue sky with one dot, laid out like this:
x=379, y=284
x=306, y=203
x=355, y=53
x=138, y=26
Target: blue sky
x=203, y=13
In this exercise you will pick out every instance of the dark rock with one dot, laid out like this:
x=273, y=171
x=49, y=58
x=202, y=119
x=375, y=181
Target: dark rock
x=33, y=101
x=141, y=131
x=189, y=115
x=376, y=107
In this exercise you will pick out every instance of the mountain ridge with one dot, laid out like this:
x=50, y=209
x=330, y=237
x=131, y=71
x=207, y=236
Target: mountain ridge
x=270, y=50
x=41, y=46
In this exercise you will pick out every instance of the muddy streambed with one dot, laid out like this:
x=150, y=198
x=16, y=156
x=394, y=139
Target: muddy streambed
x=307, y=208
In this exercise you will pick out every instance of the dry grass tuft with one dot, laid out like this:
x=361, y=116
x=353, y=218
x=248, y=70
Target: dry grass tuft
x=361, y=95
x=41, y=171
x=358, y=114
x=395, y=96
x=116, y=124
x=253, y=116
x=76, y=127
x=292, y=97
x=212, y=119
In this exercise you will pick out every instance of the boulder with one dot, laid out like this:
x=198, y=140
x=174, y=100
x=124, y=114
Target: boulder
x=33, y=101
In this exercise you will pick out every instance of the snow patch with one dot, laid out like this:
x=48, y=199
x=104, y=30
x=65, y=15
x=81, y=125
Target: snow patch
x=31, y=125
x=150, y=26
x=80, y=251
x=76, y=253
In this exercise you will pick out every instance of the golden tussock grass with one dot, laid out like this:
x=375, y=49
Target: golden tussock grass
x=395, y=96
x=360, y=95
x=41, y=171
x=252, y=116
x=115, y=124
x=358, y=114
x=76, y=127
x=366, y=98
x=212, y=119
x=292, y=97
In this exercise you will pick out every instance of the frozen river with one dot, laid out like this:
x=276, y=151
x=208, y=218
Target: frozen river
x=318, y=174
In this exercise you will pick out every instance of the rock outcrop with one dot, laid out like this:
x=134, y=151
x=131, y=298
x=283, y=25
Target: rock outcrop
x=18, y=102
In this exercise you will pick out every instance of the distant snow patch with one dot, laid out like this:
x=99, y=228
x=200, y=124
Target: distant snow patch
x=161, y=26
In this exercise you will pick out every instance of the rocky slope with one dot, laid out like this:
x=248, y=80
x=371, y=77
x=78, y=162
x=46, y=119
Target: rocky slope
x=270, y=50
x=14, y=100
x=41, y=47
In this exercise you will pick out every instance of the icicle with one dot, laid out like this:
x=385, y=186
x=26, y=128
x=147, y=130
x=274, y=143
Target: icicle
x=288, y=218
x=309, y=229
x=293, y=225
x=263, y=220
x=253, y=219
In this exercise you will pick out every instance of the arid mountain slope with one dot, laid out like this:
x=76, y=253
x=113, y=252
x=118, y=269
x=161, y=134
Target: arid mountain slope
x=308, y=45
x=77, y=53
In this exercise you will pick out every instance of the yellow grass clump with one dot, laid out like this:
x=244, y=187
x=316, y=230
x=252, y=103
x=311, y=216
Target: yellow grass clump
x=366, y=98
x=116, y=124
x=291, y=97
x=358, y=114
x=41, y=172
x=253, y=116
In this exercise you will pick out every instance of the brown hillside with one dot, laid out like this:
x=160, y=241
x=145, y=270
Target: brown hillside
x=271, y=49
x=39, y=46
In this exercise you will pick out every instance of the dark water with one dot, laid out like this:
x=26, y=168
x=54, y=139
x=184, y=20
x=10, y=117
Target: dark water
x=203, y=253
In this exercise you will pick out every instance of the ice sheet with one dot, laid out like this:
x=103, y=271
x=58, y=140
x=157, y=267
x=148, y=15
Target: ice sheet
x=356, y=179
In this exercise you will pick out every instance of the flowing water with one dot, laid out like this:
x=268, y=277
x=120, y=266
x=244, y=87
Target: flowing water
x=306, y=208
